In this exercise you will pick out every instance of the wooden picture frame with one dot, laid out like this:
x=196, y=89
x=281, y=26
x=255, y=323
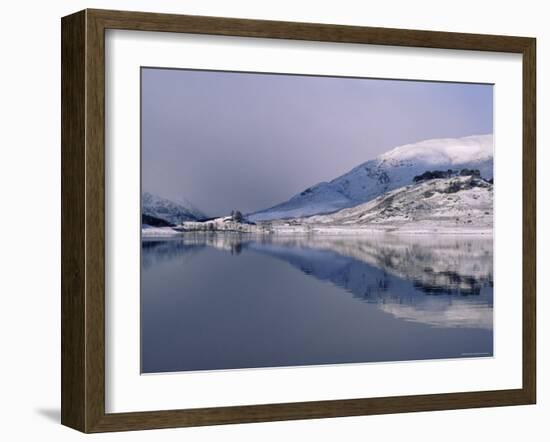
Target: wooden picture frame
x=83, y=220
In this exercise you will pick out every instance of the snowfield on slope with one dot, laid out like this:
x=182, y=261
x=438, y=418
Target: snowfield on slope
x=457, y=202
x=391, y=170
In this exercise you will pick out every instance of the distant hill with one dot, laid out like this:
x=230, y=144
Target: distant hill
x=173, y=213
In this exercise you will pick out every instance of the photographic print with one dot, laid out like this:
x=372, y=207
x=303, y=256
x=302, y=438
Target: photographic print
x=300, y=220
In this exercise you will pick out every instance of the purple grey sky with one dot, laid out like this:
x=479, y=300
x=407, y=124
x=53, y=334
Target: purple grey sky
x=249, y=141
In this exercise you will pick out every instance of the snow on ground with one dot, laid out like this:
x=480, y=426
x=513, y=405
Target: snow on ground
x=147, y=230
x=222, y=224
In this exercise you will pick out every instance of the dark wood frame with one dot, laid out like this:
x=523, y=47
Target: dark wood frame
x=83, y=217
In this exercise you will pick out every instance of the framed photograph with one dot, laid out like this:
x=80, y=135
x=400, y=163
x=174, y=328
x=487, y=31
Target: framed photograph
x=269, y=220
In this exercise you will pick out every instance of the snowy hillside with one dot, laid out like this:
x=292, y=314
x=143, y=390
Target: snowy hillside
x=388, y=171
x=460, y=201
x=167, y=210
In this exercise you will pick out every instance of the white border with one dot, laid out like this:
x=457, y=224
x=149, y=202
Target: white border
x=127, y=390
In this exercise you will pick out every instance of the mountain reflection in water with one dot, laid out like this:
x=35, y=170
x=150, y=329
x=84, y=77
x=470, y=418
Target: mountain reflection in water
x=443, y=283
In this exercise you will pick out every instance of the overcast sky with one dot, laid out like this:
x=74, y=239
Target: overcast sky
x=249, y=141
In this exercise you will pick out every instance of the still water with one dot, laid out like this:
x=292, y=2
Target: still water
x=224, y=301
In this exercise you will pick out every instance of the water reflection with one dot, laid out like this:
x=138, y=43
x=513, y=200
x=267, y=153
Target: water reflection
x=443, y=282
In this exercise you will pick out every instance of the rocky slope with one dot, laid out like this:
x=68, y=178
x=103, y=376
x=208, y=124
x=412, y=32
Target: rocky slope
x=460, y=201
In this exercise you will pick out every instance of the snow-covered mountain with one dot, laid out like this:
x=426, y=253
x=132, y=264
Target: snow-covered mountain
x=459, y=201
x=167, y=210
x=388, y=171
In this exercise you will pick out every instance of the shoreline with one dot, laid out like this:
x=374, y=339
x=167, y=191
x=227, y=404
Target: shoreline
x=284, y=231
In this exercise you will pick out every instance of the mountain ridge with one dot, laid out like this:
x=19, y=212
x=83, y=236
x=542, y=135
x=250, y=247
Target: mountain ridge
x=388, y=171
x=167, y=210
